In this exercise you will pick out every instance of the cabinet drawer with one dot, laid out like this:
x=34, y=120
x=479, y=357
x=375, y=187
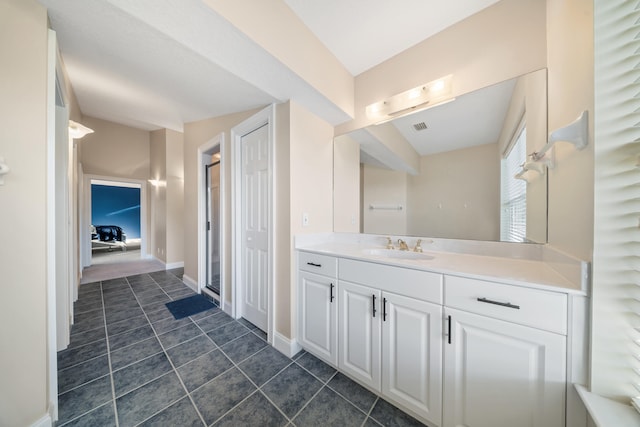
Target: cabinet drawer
x=319, y=264
x=531, y=307
x=419, y=284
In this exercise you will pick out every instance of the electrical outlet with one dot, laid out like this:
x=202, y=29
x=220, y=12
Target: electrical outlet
x=305, y=219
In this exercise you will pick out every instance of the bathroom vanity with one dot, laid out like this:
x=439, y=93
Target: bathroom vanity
x=463, y=334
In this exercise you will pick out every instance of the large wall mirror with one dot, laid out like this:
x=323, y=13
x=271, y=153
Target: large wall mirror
x=450, y=171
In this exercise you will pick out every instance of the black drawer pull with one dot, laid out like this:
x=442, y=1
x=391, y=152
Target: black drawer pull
x=373, y=302
x=384, y=309
x=331, y=293
x=313, y=264
x=502, y=304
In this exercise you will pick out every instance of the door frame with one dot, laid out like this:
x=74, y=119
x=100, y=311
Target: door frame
x=204, y=154
x=265, y=117
x=85, y=233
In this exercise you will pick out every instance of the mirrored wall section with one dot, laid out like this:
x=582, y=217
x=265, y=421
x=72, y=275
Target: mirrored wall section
x=450, y=171
x=212, y=178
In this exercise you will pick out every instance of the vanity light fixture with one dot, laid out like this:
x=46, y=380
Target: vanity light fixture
x=413, y=100
x=77, y=130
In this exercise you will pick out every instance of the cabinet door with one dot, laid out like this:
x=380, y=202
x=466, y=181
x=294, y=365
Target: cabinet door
x=499, y=374
x=412, y=355
x=359, y=332
x=317, y=327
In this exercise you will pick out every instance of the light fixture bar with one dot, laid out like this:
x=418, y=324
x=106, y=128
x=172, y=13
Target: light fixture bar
x=420, y=97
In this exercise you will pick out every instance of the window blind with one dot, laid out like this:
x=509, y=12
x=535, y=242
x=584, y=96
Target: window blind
x=615, y=365
x=513, y=192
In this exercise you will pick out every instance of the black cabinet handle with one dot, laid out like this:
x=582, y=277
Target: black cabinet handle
x=313, y=264
x=449, y=329
x=502, y=304
x=373, y=302
x=331, y=293
x=384, y=309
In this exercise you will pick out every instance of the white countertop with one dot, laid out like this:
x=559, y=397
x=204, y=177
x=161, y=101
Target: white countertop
x=520, y=271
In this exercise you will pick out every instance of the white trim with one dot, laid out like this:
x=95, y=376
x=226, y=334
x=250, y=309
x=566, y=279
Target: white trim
x=127, y=182
x=285, y=345
x=52, y=359
x=265, y=117
x=190, y=282
x=172, y=265
x=204, y=158
x=227, y=307
x=45, y=421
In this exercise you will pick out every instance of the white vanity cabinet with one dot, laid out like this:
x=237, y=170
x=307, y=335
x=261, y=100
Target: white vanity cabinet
x=317, y=305
x=452, y=351
x=505, y=355
x=390, y=334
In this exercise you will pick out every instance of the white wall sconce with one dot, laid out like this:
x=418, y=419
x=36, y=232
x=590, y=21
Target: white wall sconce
x=4, y=169
x=77, y=130
x=576, y=132
x=539, y=166
x=413, y=100
x=157, y=183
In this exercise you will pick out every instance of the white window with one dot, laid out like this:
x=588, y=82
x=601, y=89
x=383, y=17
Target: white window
x=513, y=192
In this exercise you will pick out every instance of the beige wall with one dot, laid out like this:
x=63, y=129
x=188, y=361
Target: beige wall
x=456, y=195
x=158, y=195
x=115, y=150
x=196, y=134
x=283, y=238
x=502, y=41
x=311, y=187
x=23, y=260
x=346, y=184
x=293, y=44
x=175, y=196
x=167, y=198
x=570, y=63
x=384, y=187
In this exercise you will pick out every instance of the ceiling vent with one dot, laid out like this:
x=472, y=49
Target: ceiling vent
x=420, y=126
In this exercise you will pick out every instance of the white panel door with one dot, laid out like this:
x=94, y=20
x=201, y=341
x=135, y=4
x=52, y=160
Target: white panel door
x=318, y=331
x=499, y=374
x=359, y=332
x=255, y=226
x=412, y=354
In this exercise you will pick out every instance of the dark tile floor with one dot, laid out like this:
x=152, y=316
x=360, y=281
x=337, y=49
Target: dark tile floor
x=131, y=363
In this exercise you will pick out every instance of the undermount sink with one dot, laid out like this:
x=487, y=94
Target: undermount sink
x=396, y=253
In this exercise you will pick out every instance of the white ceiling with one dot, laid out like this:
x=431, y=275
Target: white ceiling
x=475, y=118
x=364, y=33
x=160, y=63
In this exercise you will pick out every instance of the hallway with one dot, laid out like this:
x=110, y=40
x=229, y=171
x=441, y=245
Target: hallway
x=131, y=363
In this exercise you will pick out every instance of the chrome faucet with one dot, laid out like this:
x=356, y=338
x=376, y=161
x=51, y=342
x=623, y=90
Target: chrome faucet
x=389, y=243
x=403, y=245
x=418, y=248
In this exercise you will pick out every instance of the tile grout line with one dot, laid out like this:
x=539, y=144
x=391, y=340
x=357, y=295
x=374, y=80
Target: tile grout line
x=235, y=365
x=106, y=332
x=175, y=370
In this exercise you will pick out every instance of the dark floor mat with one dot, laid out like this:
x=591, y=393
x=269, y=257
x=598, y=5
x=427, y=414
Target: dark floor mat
x=189, y=306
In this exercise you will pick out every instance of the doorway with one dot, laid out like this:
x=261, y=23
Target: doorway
x=212, y=179
x=211, y=221
x=115, y=222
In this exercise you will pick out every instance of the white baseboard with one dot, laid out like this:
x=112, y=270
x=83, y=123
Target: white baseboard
x=227, y=307
x=285, y=346
x=172, y=265
x=190, y=283
x=45, y=421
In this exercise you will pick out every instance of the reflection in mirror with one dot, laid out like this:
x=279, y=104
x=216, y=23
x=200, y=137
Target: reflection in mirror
x=449, y=171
